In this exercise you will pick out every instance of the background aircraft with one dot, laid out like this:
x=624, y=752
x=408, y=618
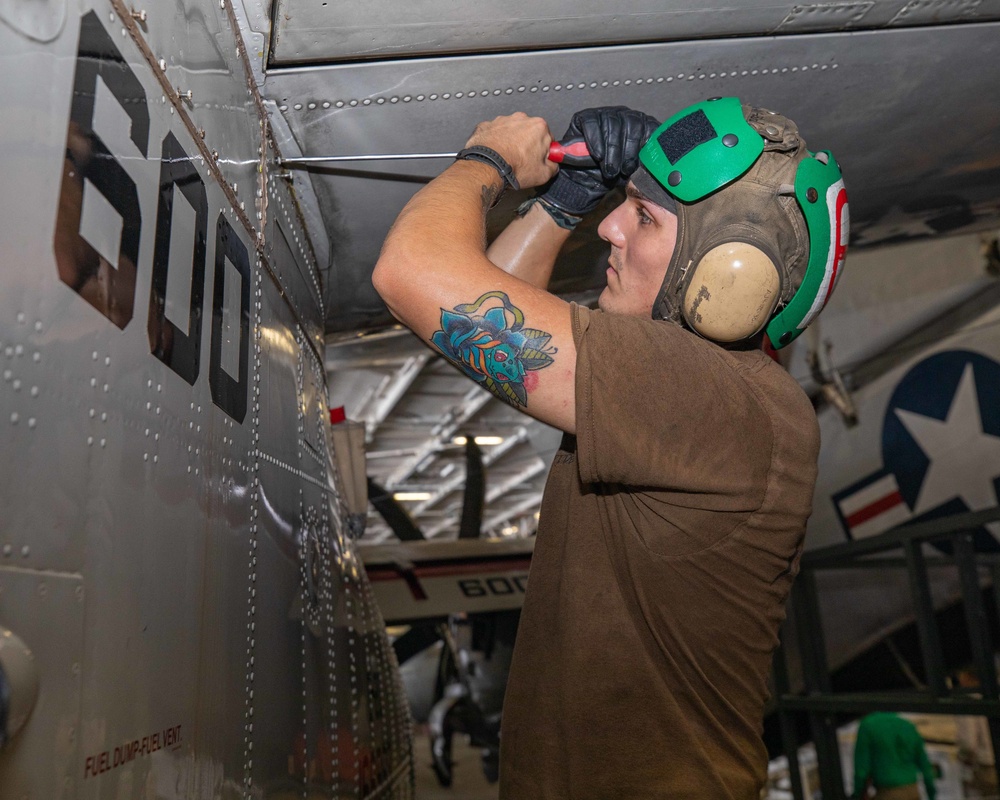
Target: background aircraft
x=174, y=558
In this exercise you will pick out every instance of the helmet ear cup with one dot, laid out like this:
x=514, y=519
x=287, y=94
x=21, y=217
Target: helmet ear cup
x=731, y=292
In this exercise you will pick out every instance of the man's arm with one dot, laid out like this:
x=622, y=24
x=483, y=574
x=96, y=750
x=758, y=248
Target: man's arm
x=506, y=333
x=528, y=247
x=487, y=313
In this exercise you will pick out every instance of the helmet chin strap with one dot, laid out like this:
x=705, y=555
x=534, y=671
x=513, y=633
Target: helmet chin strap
x=667, y=305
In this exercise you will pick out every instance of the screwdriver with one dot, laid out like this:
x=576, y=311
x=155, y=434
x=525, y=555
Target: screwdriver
x=571, y=153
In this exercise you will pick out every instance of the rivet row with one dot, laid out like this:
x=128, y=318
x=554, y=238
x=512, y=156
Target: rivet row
x=316, y=105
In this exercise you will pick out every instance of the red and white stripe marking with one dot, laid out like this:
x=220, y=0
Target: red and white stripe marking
x=875, y=508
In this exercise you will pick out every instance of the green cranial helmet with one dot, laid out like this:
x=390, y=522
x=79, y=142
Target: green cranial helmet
x=763, y=223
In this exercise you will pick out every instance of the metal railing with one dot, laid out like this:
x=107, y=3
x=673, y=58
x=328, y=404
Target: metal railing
x=899, y=548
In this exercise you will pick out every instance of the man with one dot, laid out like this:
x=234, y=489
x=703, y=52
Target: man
x=674, y=511
x=888, y=755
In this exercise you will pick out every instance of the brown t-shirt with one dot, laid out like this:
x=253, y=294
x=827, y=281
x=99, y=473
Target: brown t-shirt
x=669, y=535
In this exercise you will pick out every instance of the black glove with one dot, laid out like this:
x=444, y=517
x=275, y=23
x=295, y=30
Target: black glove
x=614, y=137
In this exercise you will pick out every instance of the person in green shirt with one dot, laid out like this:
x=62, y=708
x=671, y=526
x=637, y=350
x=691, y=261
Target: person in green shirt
x=888, y=755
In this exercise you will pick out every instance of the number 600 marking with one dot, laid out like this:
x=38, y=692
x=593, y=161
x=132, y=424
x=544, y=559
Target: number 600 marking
x=111, y=288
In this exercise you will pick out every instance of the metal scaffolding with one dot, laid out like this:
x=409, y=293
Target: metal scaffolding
x=901, y=548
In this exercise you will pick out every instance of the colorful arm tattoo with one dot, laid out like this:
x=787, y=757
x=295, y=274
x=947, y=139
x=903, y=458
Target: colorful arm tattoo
x=495, y=348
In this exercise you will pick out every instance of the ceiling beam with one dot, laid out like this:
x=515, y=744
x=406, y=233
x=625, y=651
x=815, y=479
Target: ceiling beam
x=440, y=434
x=456, y=480
x=513, y=481
x=390, y=392
x=507, y=484
x=532, y=501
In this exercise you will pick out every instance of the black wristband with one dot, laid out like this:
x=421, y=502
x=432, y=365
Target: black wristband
x=494, y=159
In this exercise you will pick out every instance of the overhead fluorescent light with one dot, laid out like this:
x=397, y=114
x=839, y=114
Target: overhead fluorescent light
x=411, y=496
x=481, y=440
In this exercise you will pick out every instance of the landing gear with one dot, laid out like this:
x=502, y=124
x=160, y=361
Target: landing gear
x=455, y=713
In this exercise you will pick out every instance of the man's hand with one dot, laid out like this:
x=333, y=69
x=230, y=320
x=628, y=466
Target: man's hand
x=523, y=141
x=614, y=137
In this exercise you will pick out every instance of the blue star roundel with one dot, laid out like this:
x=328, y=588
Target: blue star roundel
x=940, y=449
x=957, y=381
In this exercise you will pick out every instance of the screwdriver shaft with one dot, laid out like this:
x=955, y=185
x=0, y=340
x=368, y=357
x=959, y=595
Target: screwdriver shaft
x=294, y=162
x=571, y=154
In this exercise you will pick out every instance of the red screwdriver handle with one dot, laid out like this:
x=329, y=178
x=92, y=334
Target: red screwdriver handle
x=571, y=153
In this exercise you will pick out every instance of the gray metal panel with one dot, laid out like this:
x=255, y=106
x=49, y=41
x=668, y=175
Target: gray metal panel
x=290, y=249
x=933, y=12
x=199, y=54
x=298, y=277
x=849, y=93
x=317, y=601
x=221, y=711
x=198, y=48
x=46, y=383
x=374, y=713
x=147, y=573
x=301, y=190
x=280, y=354
x=385, y=29
x=315, y=416
x=824, y=17
x=307, y=31
x=274, y=678
x=41, y=21
x=218, y=746
x=252, y=18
